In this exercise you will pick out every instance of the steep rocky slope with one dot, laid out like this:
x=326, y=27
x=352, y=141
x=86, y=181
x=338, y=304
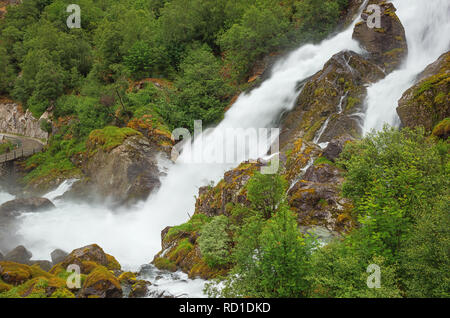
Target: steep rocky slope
x=427, y=103
x=327, y=111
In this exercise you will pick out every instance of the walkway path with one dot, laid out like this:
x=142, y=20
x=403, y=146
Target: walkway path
x=27, y=147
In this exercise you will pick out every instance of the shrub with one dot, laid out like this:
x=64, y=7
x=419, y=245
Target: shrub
x=214, y=241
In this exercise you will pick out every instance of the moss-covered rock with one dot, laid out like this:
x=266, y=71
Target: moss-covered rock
x=442, y=130
x=387, y=45
x=87, y=258
x=139, y=289
x=124, y=175
x=427, y=103
x=101, y=283
x=328, y=101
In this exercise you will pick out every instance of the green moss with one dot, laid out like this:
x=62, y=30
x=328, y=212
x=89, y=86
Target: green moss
x=4, y=287
x=322, y=160
x=39, y=287
x=97, y=278
x=113, y=264
x=351, y=102
x=183, y=248
x=165, y=264
x=440, y=98
x=109, y=138
x=313, y=130
x=193, y=225
x=127, y=278
x=442, y=129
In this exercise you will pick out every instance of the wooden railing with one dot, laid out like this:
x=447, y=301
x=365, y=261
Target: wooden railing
x=19, y=153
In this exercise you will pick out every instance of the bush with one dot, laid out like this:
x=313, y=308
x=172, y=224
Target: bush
x=214, y=242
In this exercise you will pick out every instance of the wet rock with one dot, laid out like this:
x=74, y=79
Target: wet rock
x=140, y=289
x=19, y=255
x=124, y=175
x=86, y=257
x=386, y=45
x=330, y=101
x=323, y=173
x=217, y=200
x=335, y=147
x=58, y=256
x=16, y=206
x=101, y=283
x=427, y=102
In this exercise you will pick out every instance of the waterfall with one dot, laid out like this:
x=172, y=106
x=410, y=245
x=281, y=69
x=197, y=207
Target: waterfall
x=427, y=28
x=133, y=236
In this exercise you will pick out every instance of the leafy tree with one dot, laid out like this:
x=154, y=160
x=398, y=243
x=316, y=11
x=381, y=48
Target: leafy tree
x=201, y=91
x=266, y=192
x=6, y=72
x=317, y=18
x=340, y=271
x=425, y=259
x=214, y=241
x=271, y=260
x=390, y=178
x=145, y=60
x=260, y=31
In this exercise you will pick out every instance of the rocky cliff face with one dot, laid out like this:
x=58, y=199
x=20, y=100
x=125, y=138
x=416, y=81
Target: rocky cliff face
x=427, y=102
x=13, y=120
x=330, y=103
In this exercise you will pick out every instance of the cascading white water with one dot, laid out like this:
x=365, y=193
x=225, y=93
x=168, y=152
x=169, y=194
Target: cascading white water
x=4, y=197
x=427, y=27
x=134, y=236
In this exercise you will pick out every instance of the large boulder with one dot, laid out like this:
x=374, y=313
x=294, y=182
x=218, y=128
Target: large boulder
x=89, y=257
x=16, y=206
x=123, y=175
x=427, y=102
x=19, y=255
x=386, y=45
x=58, y=256
x=101, y=283
x=335, y=148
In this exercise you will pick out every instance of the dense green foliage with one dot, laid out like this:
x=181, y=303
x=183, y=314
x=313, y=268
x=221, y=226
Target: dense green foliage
x=270, y=256
x=399, y=183
x=214, y=241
